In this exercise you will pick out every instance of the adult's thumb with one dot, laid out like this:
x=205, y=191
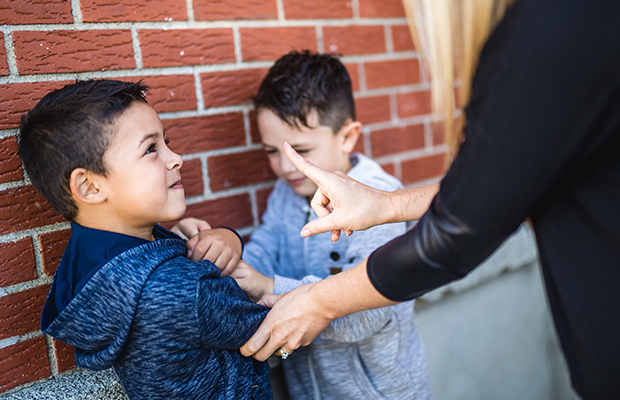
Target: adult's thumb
x=319, y=225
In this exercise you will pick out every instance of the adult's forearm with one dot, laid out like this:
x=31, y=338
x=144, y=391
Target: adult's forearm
x=411, y=204
x=347, y=292
x=441, y=248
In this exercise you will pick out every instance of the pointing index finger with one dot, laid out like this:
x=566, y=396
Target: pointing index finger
x=306, y=167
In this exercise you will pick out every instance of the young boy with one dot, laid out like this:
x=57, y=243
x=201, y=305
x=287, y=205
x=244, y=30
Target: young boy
x=306, y=100
x=124, y=294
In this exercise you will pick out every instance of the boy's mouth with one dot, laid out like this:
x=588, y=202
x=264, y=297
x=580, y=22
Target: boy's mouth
x=177, y=185
x=295, y=182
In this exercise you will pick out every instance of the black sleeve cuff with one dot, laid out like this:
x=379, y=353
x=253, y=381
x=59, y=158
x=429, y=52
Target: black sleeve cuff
x=438, y=250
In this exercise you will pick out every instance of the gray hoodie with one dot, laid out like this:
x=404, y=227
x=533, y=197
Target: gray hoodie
x=376, y=354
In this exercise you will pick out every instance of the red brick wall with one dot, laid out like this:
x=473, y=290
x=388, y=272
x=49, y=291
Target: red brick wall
x=203, y=64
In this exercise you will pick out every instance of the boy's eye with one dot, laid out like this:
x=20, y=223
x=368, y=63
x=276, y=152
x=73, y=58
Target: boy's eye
x=270, y=151
x=150, y=149
x=167, y=141
x=301, y=151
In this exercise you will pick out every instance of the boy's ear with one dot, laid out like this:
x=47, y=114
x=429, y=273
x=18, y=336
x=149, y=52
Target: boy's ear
x=85, y=186
x=350, y=134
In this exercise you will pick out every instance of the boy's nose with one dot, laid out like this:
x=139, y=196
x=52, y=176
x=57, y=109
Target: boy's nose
x=174, y=161
x=286, y=165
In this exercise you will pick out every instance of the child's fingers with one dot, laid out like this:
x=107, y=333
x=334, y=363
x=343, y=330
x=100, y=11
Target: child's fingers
x=230, y=266
x=269, y=300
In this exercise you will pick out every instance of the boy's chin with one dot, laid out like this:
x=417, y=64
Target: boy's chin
x=305, y=190
x=177, y=215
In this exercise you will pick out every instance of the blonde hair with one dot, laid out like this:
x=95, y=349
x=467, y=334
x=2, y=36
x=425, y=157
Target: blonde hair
x=450, y=35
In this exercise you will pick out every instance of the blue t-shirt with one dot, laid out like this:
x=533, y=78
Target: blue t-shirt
x=87, y=251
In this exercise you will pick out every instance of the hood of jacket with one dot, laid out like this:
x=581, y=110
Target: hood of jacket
x=98, y=320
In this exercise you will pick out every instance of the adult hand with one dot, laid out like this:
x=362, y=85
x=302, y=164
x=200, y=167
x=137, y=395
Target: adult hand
x=342, y=203
x=294, y=321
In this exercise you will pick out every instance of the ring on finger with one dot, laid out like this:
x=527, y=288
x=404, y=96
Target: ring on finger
x=284, y=354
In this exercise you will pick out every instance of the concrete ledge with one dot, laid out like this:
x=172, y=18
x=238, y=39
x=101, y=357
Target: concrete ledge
x=80, y=385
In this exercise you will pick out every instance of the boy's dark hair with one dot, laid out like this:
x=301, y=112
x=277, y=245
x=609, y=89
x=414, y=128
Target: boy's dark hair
x=300, y=82
x=71, y=128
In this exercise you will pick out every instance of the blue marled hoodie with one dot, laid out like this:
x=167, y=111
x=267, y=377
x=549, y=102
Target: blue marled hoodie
x=375, y=354
x=171, y=328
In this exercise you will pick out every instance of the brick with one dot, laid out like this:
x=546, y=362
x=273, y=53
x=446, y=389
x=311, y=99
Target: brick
x=227, y=88
x=261, y=200
x=53, y=246
x=133, y=10
x=191, y=173
x=389, y=168
x=234, y=212
x=397, y=140
x=373, y=109
x=17, y=262
x=212, y=10
x=259, y=44
x=414, y=104
x=321, y=9
x=381, y=8
x=240, y=169
x=177, y=47
x=204, y=133
x=392, y=73
x=10, y=164
x=23, y=362
x=254, y=133
x=65, y=356
x=353, y=71
x=4, y=66
x=170, y=93
x=423, y=168
x=23, y=208
x=13, y=12
x=38, y=52
x=18, y=98
x=348, y=40
x=401, y=38
x=20, y=312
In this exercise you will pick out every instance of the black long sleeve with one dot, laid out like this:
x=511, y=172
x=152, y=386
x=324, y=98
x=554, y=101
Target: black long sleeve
x=542, y=140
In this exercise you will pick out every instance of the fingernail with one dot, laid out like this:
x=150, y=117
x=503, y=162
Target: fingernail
x=306, y=233
x=189, y=253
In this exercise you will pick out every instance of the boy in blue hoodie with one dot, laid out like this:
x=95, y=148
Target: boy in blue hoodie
x=306, y=100
x=124, y=293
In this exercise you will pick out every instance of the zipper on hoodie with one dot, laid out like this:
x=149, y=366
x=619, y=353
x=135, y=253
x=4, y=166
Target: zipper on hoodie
x=313, y=381
x=305, y=241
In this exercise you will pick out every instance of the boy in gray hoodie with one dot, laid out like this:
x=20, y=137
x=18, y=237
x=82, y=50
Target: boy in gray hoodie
x=306, y=100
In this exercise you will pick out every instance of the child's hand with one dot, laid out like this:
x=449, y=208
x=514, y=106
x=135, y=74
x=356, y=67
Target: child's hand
x=252, y=282
x=220, y=246
x=189, y=227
